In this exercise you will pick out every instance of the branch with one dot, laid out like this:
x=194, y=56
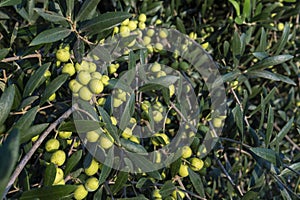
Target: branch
x=36, y=145
x=15, y=58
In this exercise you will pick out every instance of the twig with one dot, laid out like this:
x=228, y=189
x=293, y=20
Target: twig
x=177, y=178
x=15, y=58
x=287, y=138
x=27, y=157
x=108, y=190
x=236, y=187
x=240, y=104
x=74, y=29
x=235, y=141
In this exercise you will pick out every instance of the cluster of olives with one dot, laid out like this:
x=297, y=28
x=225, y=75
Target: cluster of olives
x=90, y=84
x=58, y=157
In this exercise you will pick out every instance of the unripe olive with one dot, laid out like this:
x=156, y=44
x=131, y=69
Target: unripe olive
x=142, y=17
x=85, y=93
x=183, y=170
x=84, y=77
x=186, y=152
x=80, y=192
x=163, y=33
x=59, y=175
x=142, y=25
x=52, y=97
x=92, y=168
x=132, y=25
x=155, y=67
x=117, y=102
x=124, y=31
x=127, y=133
x=58, y=157
x=68, y=69
x=157, y=116
x=196, y=164
x=52, y=145
x=92, y=184
x=106, y=141
x=96, y=75
x=74, y=85
x=96, y=86
x=92, y=136
x=64, y=134
x=63, y=55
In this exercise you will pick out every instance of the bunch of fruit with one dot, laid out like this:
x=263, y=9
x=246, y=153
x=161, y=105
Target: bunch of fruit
x=91, y=84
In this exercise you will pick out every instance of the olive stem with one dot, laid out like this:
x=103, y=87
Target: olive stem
x=15, y=58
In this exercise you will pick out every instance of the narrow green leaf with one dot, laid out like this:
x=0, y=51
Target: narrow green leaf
x=265, y=101
x=70, y=8
x=271, y=76
x=167, y=189
x=229, y=76
x=236, y=7
x=51, y=35
x=98, y=194
x=13, y=35
x=155, y=174
x=127, y=112
x=87, y=7
x=175, y=167
x=260, y=55
x=27, y=101
x=72, y=162
x=140, y=161
x=83, y=126
x=270, y=61
x=132, y=146
x=6, y=102
x=113, y=131
x=27, y=134
x=294, y=166
x=141, y=182
x=9, y=2
x=287, y=127
x=106, y=169
x=104, y=173
x=284, y=193
x=104, y=22
x=247, y=9
x=120, y=182
x=150, y=86
x=197, y=182
x=35, y=80
x=53, y=86
x=180, y=25
x=236, y=44
x=165, y=81
x=49, y=15
x=9, y=151
x=4, y=52
x=239, y=119
x=48, y=193
x=49, y=175
x=153, y=8
x=27, y=119
x=270, y=124
x=263, y=41
x=267, y=154
x=250, y=195
x=139, y=197
x=284, y=39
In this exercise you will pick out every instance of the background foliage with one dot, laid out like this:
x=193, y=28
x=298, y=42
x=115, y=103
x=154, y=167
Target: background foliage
x=256, y=47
